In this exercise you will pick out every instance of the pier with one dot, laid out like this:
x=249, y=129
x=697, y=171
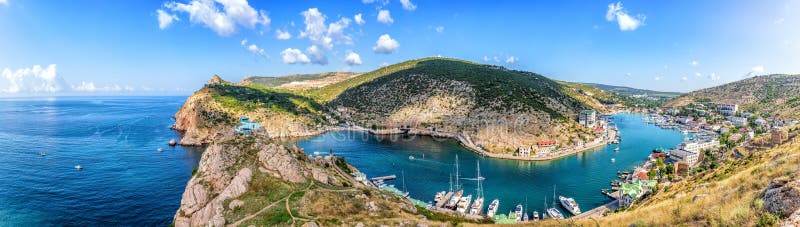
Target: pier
x=599, y=211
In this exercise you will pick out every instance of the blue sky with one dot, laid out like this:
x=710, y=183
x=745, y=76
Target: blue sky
x=173, y=47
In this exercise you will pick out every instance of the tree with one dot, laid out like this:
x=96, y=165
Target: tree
x=652, y=174
x=670, y=169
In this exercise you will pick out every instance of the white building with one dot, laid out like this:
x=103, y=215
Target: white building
x=679, y=155
x=727, y=109
x=698, y=146
x=738, y=121
x=588, y=118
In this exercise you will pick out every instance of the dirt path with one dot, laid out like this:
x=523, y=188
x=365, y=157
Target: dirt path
x=285, y=199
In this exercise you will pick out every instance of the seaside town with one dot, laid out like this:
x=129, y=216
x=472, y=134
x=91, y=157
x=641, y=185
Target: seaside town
x=709, y=131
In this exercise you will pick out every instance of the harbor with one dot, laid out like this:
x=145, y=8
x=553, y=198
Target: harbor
x=511, y=182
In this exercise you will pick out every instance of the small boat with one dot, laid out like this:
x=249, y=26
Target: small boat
x=477, y=207
x=454, y=200
x=79, y=167
x=525, y=217
x=493, y=208
x=42, y=153
x=616, y=149
x=463, y=204
x=553, y=213
x=535, y=215
x=518, y=212
x=570, y=205
x=439, y=196
x=411, y=157
x=160, y=150
x=613, y=160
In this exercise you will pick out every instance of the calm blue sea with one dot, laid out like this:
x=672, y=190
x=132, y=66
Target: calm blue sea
x=512, y=182
x=125, y=180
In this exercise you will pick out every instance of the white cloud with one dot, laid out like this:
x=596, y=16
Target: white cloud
x=4, y=2
x=625, y=21
x=381, y=2
x=408, y=5
x=384, y=64
x=244, y=42
x=323, y=35
x=628, y=74
x=359, y=20
x=698, y=74
x=511, y=60
x=657, y=78
x=384, y=16
x=684, y=78
x=293, y=56
x=757, y=69
x=695, y=63
x=713, y=76
x=779, y=21
x=440, y=29
x=496, y=59
x=352, y=58
x=282, y=35
x=485, y=58
x=164, y=19
x=317, y=55
x=84, y=87
x=256, y=50
x=221, y=16
x=385, y=45
x=32, y=80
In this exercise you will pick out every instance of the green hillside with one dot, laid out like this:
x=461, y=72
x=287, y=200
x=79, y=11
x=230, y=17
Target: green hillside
x=769, y=95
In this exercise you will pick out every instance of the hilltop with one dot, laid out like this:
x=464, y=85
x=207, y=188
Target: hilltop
x=769, y=95
x=300, y=81
x=629, y=91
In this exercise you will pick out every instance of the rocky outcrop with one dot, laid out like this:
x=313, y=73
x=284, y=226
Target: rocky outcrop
x=223, y=175
x=782, y=196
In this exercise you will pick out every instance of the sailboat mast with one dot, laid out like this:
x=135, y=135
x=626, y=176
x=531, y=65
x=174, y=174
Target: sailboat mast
x=480, y=181
x=451, y=182
x=404, y=180
x=457, y=185
x=554, y=195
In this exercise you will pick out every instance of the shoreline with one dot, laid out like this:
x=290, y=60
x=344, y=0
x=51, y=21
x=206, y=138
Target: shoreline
x=467, y=143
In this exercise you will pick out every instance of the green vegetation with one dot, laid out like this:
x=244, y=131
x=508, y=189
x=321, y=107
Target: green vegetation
x=768, y=95
x=493, y=86
x=628, y=91
x=249, y=98
x=277, y=81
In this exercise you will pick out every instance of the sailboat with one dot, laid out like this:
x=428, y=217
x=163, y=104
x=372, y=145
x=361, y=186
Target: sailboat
x=493, y=208
x=477, y=206
x=553, y=212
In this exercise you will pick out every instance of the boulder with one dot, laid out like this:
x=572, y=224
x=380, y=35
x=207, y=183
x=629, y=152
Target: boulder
x=782, y=196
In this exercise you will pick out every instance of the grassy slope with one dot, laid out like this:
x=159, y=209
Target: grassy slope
x=728, y=195
x=628, y=91
x=279, y=80
x=491, y=83
x=770, y=94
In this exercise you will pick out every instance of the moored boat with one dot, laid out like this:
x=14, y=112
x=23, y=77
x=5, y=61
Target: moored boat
x=439, y=196
x=518, y=212
x=535, y=215
x=493, y=208
x=454, y=200
x=570, y=205
x=553, y=213
x=477, y=207
x=463, y=204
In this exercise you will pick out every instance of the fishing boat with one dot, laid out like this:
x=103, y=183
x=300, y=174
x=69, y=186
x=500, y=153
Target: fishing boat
x=518, y=212
x=42, y=153
x=570, y=205
x=160, y=150
x=79, y=167
x=613, y=160
x=463, y=204
x=616, y=149
x=535, y=215
x=454, y=200
x=411, y=157
x=493, y=208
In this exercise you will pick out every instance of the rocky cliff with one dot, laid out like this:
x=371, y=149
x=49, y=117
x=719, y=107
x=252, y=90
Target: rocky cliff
x=248, y=180
x=213, y=112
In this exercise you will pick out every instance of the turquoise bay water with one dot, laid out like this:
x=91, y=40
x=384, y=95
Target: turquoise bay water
x=514, y=182
x=125, y=181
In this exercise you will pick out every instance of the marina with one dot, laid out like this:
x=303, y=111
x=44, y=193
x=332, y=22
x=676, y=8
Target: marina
x=435, y=179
